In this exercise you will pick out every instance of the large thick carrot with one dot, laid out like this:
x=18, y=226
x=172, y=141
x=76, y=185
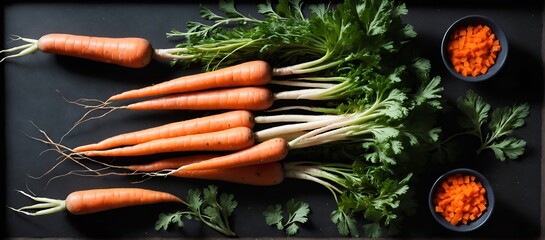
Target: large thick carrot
x=227, y=140
x=269, y=151
x=252, y=73
x=97, y=200
x=129, y=51
x=213, y=123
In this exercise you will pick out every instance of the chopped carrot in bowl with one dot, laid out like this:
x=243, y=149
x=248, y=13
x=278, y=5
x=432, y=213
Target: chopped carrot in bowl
x=473, y=49
x=460, y=198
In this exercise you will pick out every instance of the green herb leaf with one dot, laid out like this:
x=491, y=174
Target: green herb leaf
x=346, y=224
x=475, y=111
x=372, y=230
x=505, y=120
x=274, y=215
x=510, y=148
x=297, y=214
x=166, y=219
x=203, y=206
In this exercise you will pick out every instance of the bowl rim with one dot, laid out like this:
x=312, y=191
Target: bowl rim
x=498, y=32
x=474, y=224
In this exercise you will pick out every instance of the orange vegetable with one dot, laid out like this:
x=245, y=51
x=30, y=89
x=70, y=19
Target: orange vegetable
x=129, y=52
x=271, y=150
x=242, y=98
x=266, y=174
x=460, y=199
x=213, y=123
x=226, y=140
x=252, y=73
x=97, y=200
x=473, y=50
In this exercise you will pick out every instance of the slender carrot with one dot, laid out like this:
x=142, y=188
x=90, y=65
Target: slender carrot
x=169, y=163
x=213, y=123
x=252, y=73
x=243, y=98
x=129, y=52
x=266, y=174
x=97, y=200
x=226, y=140
x=269, y=151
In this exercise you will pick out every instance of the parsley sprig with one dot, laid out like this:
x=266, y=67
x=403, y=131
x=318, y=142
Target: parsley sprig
x=297, y=214
x=496, y=135
x=206, y=207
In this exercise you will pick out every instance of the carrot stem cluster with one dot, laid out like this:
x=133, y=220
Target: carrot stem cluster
x=473, y=50
x=460, y=199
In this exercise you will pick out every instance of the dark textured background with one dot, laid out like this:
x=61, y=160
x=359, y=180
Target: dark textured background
x=30, y=94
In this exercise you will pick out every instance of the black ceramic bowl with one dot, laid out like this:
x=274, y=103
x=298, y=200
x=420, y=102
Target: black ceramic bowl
x=471, y=225
x=496, y=30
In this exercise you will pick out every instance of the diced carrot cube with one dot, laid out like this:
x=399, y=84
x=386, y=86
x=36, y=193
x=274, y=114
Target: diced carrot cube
x=491, y=60
x=486, y=29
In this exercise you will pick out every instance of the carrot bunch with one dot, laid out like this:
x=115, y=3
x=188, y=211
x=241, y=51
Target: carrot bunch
x=460, y=199
x=362, y=98
x=473, y=49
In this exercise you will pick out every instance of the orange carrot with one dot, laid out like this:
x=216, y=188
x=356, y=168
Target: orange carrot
x=252, y=73
x=271, y=150
x=266, y=174
x=98, y=200
x=460, y=199
x=473, y=50
x=243, y=98
x=169, y=163
x=226, y=140
x=129, y=52
x=213, y=123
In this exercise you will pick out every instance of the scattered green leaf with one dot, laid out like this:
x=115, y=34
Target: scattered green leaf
x=297, y=214
x=206, y=207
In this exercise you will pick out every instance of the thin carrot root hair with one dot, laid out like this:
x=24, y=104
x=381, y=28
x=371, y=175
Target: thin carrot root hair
x=30, y=47
x=93, y=105
x=66, y=154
